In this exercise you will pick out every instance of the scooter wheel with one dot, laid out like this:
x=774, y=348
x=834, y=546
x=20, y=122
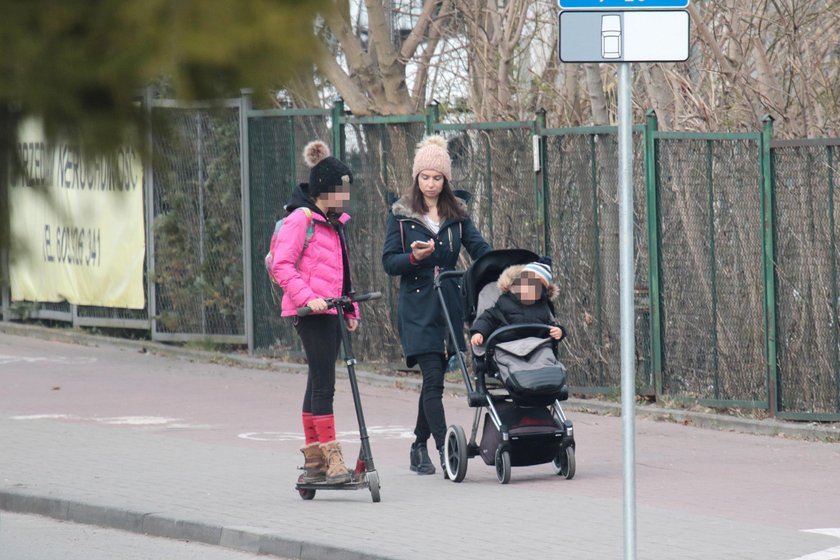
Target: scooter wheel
x=306, y=493
x=373, y=484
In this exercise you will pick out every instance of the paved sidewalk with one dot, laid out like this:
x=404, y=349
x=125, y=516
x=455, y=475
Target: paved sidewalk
x=175, y=446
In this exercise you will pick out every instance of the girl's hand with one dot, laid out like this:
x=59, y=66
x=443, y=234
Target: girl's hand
x=422, y=249
x=555, y=333
x=352, y=324
x=477, y=339
x=317, y=304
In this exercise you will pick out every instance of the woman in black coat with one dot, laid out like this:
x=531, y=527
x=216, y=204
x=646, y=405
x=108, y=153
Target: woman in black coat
x=425, y=232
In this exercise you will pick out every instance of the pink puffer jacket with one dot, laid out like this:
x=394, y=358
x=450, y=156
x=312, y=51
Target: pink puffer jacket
x=320, y=273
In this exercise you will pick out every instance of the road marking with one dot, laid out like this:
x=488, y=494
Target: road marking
x=68, y=360
x=832, y=553
x=271, y=436
x=139, y=421
x=378, y=432
x=43, y=417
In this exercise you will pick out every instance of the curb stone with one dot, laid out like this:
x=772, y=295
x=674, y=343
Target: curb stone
x=255, y=540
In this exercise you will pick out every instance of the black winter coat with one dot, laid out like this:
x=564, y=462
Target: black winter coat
x=509, y=310
x=420, y=319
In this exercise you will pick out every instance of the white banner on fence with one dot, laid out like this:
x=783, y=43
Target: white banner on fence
x=76, y=225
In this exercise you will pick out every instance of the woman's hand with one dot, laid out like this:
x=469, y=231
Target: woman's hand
x=477, y=339
x=317, y=304
x=352, y=324
x=422, y=249
x=556, y=333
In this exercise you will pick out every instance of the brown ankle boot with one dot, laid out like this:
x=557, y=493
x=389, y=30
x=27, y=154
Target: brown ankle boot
x=314, y=467
x=337, y=473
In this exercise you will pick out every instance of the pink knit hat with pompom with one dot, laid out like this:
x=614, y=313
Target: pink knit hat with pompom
x=432, y=155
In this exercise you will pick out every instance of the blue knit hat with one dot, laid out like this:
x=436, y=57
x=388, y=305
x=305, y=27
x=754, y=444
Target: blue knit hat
x=542, y=270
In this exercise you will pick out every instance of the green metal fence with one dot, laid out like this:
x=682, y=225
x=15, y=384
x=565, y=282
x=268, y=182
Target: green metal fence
x=376, y=150
x=806, y=212
x=737, y=294
x=276, y=139
x=709, y=233
x=582, y=219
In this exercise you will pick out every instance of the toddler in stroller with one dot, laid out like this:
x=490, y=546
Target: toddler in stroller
x=514, y=344
x=526, y=291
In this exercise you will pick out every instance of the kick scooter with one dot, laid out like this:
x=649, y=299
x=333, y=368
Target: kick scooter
x=364, y=475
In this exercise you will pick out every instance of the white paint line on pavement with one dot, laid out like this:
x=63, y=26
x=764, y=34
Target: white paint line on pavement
x=385, y=432
x=138, y=420
x=44, y=417
x=68, y=360
x=830, y=532
x=378, y=432
x=271, y=436
x=832, y=553
x=827, y=554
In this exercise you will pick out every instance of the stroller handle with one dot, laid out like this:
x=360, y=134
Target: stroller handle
x=340, y=302
x=448, y=274
x=541, y=328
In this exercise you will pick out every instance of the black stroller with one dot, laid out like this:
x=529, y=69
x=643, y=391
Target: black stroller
x=523, y=421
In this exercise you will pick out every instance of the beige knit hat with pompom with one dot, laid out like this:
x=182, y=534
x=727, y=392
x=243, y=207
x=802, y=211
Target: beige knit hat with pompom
x=432, y=155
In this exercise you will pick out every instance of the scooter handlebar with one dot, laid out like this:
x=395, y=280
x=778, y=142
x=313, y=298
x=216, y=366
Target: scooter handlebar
x=335, y=302
x=367, y=297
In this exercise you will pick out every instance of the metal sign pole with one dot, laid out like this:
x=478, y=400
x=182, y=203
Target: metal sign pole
x=620, y=31
x=626, y=285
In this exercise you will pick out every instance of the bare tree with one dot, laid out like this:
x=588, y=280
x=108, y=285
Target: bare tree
x=498, y=60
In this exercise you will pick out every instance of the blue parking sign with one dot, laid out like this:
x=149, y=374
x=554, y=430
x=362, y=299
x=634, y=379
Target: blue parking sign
x=620, y=4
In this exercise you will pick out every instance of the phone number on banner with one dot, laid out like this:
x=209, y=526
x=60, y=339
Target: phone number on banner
x=72, y=245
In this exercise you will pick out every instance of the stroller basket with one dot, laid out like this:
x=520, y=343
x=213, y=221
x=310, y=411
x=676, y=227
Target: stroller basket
x=530, y=371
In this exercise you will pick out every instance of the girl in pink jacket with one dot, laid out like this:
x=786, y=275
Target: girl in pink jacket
x=310, y=263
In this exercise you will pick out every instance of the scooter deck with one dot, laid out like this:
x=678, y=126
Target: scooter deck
x=357, y=482
x=352, y=485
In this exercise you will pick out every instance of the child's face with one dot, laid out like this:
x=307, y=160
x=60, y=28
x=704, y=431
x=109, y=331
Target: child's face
x=337, y=201
x=528, y=289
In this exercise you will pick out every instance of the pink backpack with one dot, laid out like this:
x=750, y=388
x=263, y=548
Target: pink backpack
x=269, y=258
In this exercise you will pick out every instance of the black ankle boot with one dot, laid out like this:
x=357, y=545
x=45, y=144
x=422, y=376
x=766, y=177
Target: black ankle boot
x=420, y=462
x=415, y=460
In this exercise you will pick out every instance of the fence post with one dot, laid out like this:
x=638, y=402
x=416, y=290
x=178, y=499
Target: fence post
x=149, y=186
x=654, y=265
x=338, y=128
x=542, y=186
x=5, y=304
x=769, y=260
x=245, y=179
x=829, y=152
x=432, y=117
x=5, y=237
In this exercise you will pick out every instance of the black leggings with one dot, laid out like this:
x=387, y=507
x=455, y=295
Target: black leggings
x=431, y=419
x=321, y=336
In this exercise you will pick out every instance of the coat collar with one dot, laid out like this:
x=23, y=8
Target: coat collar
x=402, y=209
x=343, y=218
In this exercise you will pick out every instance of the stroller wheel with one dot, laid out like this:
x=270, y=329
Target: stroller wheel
x=502, y=466
x=306, y=494
x=455, y=453
x=564, y=462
